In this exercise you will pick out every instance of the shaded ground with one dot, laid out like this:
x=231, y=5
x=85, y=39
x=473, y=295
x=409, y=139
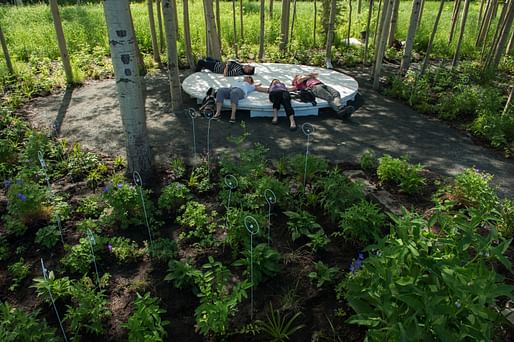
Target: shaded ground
x=90, y=115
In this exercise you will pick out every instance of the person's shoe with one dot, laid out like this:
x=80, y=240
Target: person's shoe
x=293, y=128
x=232, y=121
x=346, y=112
x=274, y=121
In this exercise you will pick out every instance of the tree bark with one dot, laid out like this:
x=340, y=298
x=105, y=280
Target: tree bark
x=129, y=84
x=359, y=6
x=187, y=34
x=315, y=19
x=377, y=24
x=271, y=9
x=293, y=21
x=499, y=45
x=455, y=16
x=510, y=47
x=159, y=22
x=366, y=41
x=171, y=42
x=480, y=12
x=330, y=34
x=234, y=24
x=413, y=24
x=261, y=35
x=153, y=34
x=509, y=101
x=241, y=33
x=431, y=41
x=421, y=12
x=394, y=23
x=284, y=25
x=6, y=53
x=461, y=35
x=349, y=24
x=212, y=33
x=381, y=26
x=388, y=9
x=61, y=41
x=218, y=19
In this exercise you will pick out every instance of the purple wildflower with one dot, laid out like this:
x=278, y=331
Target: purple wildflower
x=120, y=185
x=7, y=183
x=107, y=188
x=356, y=264
x=21, y=196
x=109, y=247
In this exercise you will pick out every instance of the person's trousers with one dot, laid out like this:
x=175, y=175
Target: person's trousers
x=207, y=63
x=328, y=94
x=281, y=97
x=233, y=93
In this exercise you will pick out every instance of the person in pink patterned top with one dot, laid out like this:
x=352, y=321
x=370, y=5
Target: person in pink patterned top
x=323, y=91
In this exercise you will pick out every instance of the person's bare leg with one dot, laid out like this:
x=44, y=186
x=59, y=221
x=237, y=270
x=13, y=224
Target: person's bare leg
x=292, y=122
x=218, y=110
x=233, y=113
x=274, y=121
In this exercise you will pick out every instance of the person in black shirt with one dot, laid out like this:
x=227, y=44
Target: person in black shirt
x=230, y=68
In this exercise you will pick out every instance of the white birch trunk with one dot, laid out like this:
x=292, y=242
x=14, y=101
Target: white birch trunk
x=6, y=53
x=171, y=42
x=218, y=20
x=382, y=42
x=500, y=43
x=455, y=17
x=394, y=23
x=366, y=41
x=187, y=35
x=129, y=84
x=509, y=101
x=431, y=41
x=293, y=21
x=413, y=24
x=315, y=20
x=151, y=20
x=261, y=35
x=212, y=32
x=330, y=34
x=162, y=44
x=241, y=21
x=284, y=25
x=234, y=26
x=61, y=41
x=464, y=19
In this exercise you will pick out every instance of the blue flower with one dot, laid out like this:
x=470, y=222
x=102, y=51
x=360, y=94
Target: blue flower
x=109, y=247
x=21, y=196
x=7, y=183
x=107, y=188
x=356, y=264
x=120, y=185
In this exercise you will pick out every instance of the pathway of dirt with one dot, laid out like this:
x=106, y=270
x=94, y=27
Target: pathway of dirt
x=90, y=115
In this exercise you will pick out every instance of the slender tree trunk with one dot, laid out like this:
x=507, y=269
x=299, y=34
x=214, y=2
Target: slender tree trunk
x=394, y=23
x=284, y=25
x=455, y=17
x=497, y=32
x=414, y=17
x=234, y=25
x=241, y=33
x=381, y=26
x=388, y=9
x=359, y=6
x=129, y=84
x=366, y=41
x=175, y=17
x=377, y=24
x=218, y=19
x=480, y=13
x=509, y=101
x=6, y=53
x=293, y=21
x=171, y=42
x=212, y=33
x=155, y=47
x=349, y=23
x=315, y=19
x=208, y=48
x=61, y=41
x=330, y=34
x=485, y=24
x=187, y=34
x=261, y=35
x=162, y=43
x=500, y=44
x=431, y=41
x=461, y=35
x=510, y=47
x=421, y=12
x=271, y=9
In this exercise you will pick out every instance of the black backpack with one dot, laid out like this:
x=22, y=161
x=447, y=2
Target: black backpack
x=304, y=95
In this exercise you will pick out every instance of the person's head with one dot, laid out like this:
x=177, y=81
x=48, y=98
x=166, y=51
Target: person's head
x=248, y=79
x=248, y=69
x=275, y=81
x=295, y=78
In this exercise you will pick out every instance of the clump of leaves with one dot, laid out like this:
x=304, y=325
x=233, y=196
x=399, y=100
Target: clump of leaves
x=369, y=161
x=280, y=327
x=401, y=172
x=48, y=236
x=200, y=224
x=80, y=163
x=173, y=196
x=145, y=323
x=266, y=263
x=163, y=249
x=199, y=179
x=90, y=206
x=177, y=168
x=18, y=325
x=362, y=222
x=323, y=274
x=19, y=271
x=301, y=223
x=299, y=167
x=182, y=274
x=27, y=203
x=124, y=249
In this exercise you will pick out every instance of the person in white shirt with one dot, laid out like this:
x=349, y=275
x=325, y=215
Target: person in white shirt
x=238, y=91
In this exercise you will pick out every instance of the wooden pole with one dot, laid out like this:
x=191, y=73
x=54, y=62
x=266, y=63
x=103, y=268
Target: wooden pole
x=431, y=41
x=155, y=47
x=61, y=41
x=6, y=52
x=261, y=35
x=388, y=9
x=456, y=56
x=187, y=34
x=413, y=24
x=366, y=40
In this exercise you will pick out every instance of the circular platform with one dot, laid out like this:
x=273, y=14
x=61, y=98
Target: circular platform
x=196, y=86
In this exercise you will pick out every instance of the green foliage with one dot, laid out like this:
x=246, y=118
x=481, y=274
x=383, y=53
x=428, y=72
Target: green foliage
x=124, y=249
x=416, y=285
x=89, y=308
x=145, y=323
x=60, y=287
x=506, y=222
x=301, y=223
x=4, y=249
x=81, y=163
x=337, y=193
x=182, y=274
x=369, y=161
x=90, y=206
x=363, y=221
x=27, y=203
x=18, y=325
x=266, y=263
x=318, y=240
x=78, y=258
x=200, y=224
x=315, y=166
x=173, y=196
x=236, y=235
x=19, y=271
x=48, y=236
x=399, y=171
x=323, y=274
x=163, y=249
x=280, y=328
x=177, y=168
x=199, y=179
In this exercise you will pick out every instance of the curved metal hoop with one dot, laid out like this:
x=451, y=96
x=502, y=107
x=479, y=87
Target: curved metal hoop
x=307, y=129
x=231, y=182
x=251, y=224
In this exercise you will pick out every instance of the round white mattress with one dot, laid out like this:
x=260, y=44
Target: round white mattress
x=196, y=84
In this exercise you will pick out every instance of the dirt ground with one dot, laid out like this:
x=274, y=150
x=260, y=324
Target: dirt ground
x=90, y=115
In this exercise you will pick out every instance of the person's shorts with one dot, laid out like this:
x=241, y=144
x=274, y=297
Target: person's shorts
x=234, y=94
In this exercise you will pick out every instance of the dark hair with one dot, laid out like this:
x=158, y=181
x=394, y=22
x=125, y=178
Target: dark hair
x=252, y=70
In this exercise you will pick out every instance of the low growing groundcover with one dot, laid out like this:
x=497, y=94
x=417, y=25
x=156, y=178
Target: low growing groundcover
x=244, y=249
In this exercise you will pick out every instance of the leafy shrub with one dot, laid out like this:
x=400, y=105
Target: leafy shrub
x=419, y=286
x=60, y=287
x=124, y=249
x=199, y=179
x=177, y=168
x=145, y=323
x=301, y=223
x=495, y=127
x=266, y=263
x=337, y=193
x=4, y=249
x=363, y=222
x=27, y=202
x=17, y=325
x=369, y=161
x=278, y=327
x=163, y=249
x=462, y=103
x=236, y=234
x=80, y=163
x=323, y=274
x=78, y=258
x=315, y=166
x=19, y=271
x=173, y=196
x=181, y=273
x=506, y=222
x=48, y=236
x=90, y=206
x=318, y=240
x=200, y=223
x=399, y=171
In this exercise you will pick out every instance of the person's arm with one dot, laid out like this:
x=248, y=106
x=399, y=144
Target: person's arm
x=292, y=88
x=225, y=70
x=260, y=88
x=305, y=77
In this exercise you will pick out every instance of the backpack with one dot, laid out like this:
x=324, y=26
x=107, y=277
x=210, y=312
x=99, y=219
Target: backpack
x=208, y=107
x=304, y=95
